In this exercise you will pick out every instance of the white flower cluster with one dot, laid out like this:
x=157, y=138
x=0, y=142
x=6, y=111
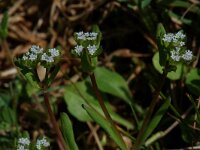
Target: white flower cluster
x=176, y=56
x=42, y=143
x=91, y=49
x=170, y=37
x=33, y=53
x=178, y=43
x=22, y=143
x=36, y=52
x=78, y=49
x=87, y=35
x=50, y=58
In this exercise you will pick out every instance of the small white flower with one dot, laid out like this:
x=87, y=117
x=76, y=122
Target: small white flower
x=168, y=37
x=24, y=141
x=38, y=145
x=92, y=49
x=47, y=58
x=42, y=142
x=175, y=55
x=86, y=34
x=92, y=36
x=24, y=57
x=188, y=55
x=32, y=57
x=180, y=35
x=54, y=52
x=36, y=49
x=182, y=43
x=80, y=35
x=21, y=147
x=78, y=49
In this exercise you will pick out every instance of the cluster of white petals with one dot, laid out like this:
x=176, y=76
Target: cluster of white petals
x=42, y=143
x=177, y=41
x=36, y=52
x=50, y=58
x=90, y=36
x=171, y=37
x=21, y=147
x=87, y=35
x=22, y=143
x=36, y=49
x=54, y=52
x=78, y=49
x=188, y=55
x=92, y=49
x=47, y=58
x=175, y=55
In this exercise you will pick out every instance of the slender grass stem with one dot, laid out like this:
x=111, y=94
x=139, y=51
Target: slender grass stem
x=53, y=121
x=103, y=107
x=149, y=113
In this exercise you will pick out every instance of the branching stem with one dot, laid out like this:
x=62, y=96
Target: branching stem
x=53, y=121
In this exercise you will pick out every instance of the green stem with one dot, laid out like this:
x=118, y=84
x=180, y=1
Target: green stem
x=147, y=118
x=103, y=107
x=53, y=121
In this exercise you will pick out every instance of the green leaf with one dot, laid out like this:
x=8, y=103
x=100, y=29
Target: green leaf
x=180, y=18
x=173, y=75
x=160, y=31
x=193, y=81
x=145, y=3
x=67, y=131
x=112, y=83
x=32, y=80
x=4, y=26
x=81, y=93
x=155, y=120
x=162, y=51
x=184, y=4
x=87, y=64
x=99, y=119
x=188, y=134
x=8, y=115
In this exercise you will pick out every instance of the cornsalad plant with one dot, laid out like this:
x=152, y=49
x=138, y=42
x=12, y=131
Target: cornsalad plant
x=172, y=54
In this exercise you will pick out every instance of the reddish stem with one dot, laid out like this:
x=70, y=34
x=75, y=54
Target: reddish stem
x=53, y=121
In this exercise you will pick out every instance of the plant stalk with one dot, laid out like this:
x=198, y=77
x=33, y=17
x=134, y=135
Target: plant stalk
x=103, y=107
x=149, y=113
x=53, y=121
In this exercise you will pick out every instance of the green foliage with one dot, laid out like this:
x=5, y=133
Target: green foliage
x=155, y=120
x=81, y=93
x=162, y=50
x=4, y=26
x=193, y=81
x=173, y=75
x=67, y=131
x=112, y=83
x=98, y=118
